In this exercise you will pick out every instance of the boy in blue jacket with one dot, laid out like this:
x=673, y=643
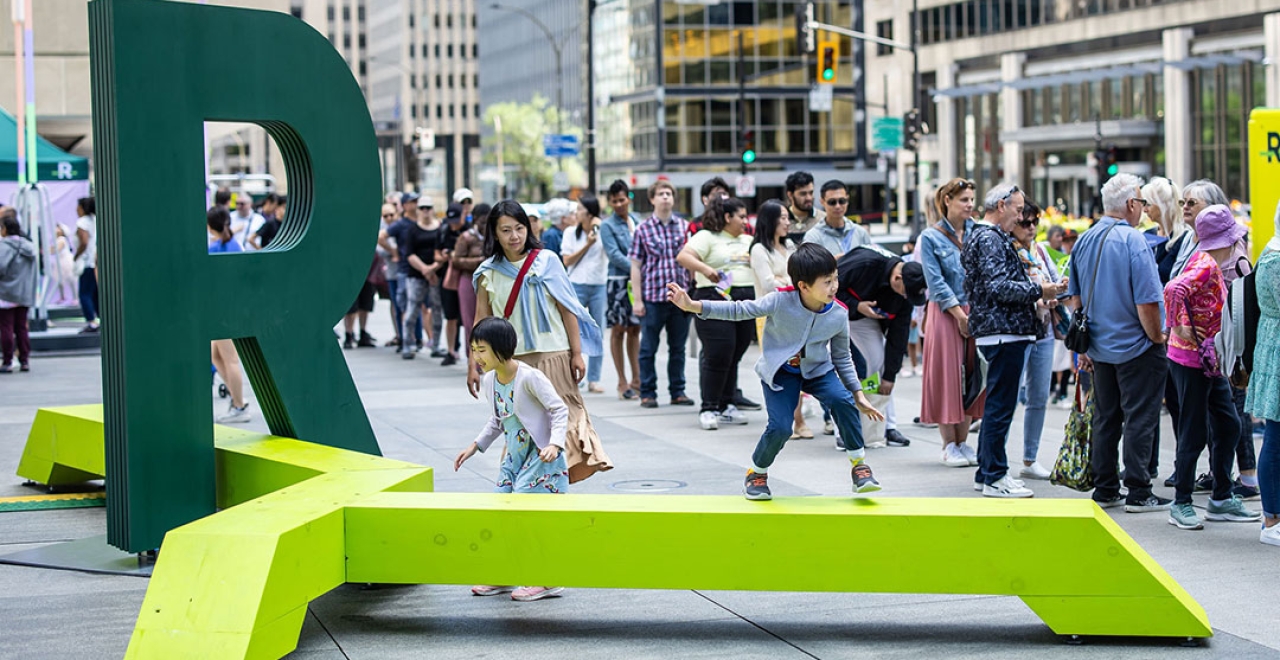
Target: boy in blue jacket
x=805, y=348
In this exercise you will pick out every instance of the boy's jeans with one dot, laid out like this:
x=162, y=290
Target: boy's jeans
x=781, y=406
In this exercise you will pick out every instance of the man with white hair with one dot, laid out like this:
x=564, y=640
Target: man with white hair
x=1002, y=320
x=560, y=212
x=1125, y=318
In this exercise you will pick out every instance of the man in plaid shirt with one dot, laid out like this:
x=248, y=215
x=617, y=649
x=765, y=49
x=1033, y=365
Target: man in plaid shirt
x=654, y=247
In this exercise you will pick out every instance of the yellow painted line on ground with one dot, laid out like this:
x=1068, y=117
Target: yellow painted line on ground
x=51, y=498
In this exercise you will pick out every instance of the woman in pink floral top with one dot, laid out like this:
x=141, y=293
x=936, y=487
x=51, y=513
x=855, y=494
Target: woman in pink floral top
x=1193, y=306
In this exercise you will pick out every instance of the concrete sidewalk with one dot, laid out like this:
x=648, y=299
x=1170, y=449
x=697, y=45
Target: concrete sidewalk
x=421, y=412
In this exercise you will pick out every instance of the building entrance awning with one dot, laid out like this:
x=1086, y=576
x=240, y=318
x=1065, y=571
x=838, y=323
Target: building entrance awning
x=1094, y=75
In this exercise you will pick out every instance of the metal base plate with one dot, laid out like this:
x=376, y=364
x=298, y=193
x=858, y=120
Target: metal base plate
x=91, y=555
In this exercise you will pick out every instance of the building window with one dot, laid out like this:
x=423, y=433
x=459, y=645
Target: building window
x=449, y=50
x=884, y=30
x=331, y=12
x=451, y=81
x=451, y=112
x=463, y=110
x=346, y=41
x=448, y=22
x=475, y=80
x=413, y=111
x=296, y=11
x=475, y=51
x=360, y=13
x=410, y=20
x=424, y=51
x=437, y=20
x=362, y=42
x=346, y=14
x=439, y=83
x=477, y=110
x=439, y=112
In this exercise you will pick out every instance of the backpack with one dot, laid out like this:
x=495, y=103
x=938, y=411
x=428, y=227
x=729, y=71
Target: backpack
x=1235, y=342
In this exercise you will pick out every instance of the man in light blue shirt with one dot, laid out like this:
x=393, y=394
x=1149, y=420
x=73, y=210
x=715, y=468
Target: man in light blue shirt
x=837, y=232
x=1115, y=281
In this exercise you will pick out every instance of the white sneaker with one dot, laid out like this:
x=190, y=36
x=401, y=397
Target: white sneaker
x=709, y=420
x=1270, y=535
x=1034, y=471
x=1006, y=488
x=968, y=453
x=829, y=427
x=732, y=415
x=234, y=415
x=907, y=373
x=952, y=457
x=978, y=485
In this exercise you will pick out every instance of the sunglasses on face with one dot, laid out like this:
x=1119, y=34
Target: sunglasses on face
x=1189, y=202
x=1142, y=201
x=388, y=215
x=466, y=201
x=838, y=201
x=1028, y=223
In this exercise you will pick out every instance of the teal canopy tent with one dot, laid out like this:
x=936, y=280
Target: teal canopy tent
x=53, y=163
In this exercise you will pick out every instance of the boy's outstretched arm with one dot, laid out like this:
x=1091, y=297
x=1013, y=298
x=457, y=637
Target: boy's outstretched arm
x=727, y=310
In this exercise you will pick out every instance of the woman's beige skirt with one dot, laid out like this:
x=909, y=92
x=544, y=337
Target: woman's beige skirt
x=583, y=450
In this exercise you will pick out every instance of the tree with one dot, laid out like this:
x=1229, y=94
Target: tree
x=523, y=125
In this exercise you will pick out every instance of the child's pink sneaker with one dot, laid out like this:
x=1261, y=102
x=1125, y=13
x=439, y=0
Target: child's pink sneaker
x=526, y=594
x=490, y=590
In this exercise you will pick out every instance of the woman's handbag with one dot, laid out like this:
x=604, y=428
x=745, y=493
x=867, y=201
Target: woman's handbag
x=1072, y=468
x=1077, y=337
x=1208, y=354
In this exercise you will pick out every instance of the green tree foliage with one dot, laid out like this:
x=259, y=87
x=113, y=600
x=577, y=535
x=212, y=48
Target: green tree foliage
x=523, y=126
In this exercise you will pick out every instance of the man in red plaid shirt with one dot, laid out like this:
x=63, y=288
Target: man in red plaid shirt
x=654, y=247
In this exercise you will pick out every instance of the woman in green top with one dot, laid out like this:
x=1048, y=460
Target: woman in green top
x=719, y=257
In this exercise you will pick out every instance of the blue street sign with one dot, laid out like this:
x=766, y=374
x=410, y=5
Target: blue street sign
x=557, y=146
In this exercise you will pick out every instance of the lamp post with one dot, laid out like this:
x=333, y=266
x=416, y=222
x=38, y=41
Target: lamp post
x=556, y=47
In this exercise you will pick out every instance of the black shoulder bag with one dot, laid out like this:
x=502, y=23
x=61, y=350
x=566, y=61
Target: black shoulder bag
x=1077, y=339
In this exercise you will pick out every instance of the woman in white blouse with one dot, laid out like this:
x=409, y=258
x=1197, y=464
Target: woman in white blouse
x=584, y=259
x=769, y=254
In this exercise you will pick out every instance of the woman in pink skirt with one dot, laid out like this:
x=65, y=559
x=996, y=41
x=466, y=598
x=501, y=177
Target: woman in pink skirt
x=947, y=323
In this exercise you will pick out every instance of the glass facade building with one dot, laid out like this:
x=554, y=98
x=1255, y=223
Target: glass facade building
x=678, y=83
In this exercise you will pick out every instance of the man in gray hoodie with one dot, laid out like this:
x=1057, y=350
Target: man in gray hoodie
x=17, y=291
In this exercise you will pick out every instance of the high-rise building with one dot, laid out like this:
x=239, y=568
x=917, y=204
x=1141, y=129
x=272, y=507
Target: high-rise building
x=424, y=91
x=1028, y=90
x=681, y=86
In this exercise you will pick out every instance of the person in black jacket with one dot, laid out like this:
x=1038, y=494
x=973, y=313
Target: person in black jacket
x=1003, y=322
x=881, y=291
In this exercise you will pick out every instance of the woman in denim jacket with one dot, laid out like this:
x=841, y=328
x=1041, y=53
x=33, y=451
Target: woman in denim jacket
x=947, y=323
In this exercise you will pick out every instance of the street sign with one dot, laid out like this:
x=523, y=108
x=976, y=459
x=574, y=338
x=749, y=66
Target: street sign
x=557, y=146
x=886, y=133
x=820, y=98
x=745, y=186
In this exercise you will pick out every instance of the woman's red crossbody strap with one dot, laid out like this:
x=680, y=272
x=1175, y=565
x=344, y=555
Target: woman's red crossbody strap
x=515, y=289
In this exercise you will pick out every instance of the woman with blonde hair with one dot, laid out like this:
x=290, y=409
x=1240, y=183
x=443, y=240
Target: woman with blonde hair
x=1164, y=207
x=947, y=323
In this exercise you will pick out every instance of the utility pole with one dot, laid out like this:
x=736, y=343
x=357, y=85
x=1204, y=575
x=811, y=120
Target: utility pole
x=591, y=97
x=916, y=222
x=742, y=104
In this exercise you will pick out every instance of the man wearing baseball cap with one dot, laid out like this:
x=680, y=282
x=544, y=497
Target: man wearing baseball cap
x=464, y=197
x=880, y=292
x=455, y=222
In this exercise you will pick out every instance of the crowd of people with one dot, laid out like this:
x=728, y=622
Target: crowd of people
x=976, y=305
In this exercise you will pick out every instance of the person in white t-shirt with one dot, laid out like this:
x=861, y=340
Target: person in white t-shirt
x=244, y=221
x=86, y=261
x=588, y=268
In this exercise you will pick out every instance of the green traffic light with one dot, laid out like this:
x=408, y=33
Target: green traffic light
x=828, y=74
x=1113, y=169
x=749, y=156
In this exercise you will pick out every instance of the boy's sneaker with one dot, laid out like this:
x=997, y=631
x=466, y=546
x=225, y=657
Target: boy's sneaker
x=234, y=415
x=953, y=457
x=863, y=480
x=1183, y=516
x=757, y=486
x=490, y=590
x=1270, y=535
x=969, y=453
x=1151, y=503
x=1006, y=488
x=1231, y=510
x=732, y=415
x=528, y=594
x=977, y=485
x=1245, y=492
x=709, y=420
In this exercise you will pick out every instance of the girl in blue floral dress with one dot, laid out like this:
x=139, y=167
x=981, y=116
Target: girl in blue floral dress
x=532, y=419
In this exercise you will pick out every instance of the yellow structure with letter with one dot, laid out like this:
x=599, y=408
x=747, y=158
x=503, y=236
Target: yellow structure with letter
x=300, y=519
x=1264, y=175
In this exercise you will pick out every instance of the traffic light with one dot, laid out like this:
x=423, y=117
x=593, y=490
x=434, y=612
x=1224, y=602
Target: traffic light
x=911, y=130
x=828, y=59
x=748, y=147
x=1113, y=161
x=1108, y=164
x=806, y=36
